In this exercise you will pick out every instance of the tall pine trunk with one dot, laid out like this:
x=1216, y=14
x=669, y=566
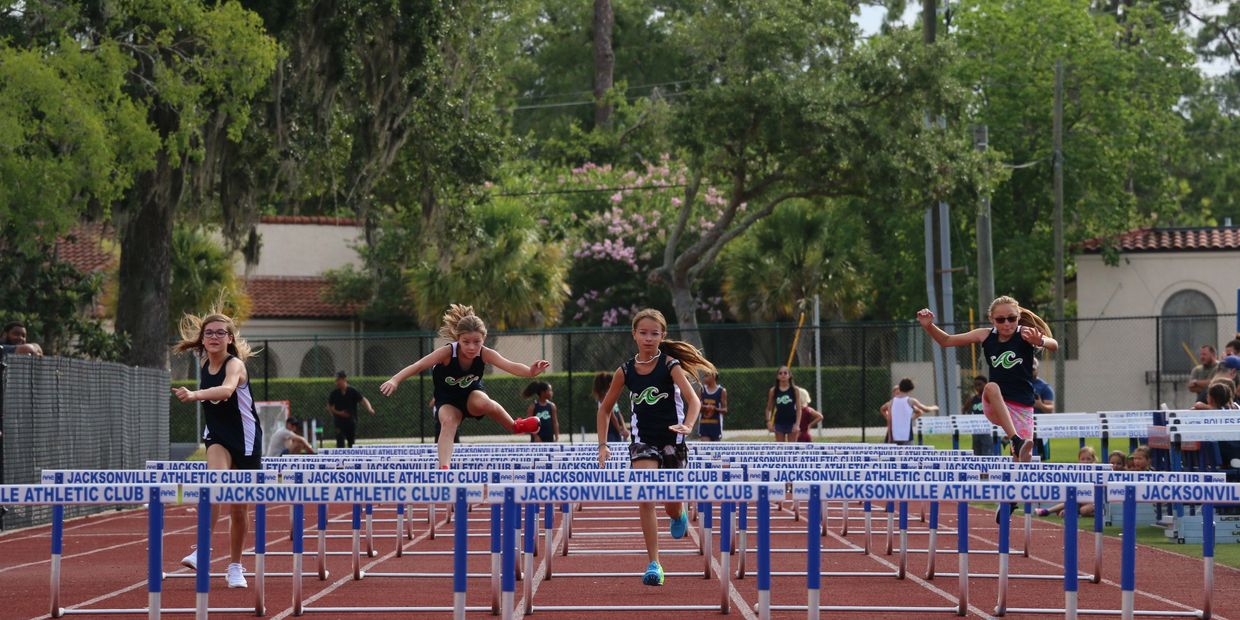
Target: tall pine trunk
x=604, y=62
x=146, y=265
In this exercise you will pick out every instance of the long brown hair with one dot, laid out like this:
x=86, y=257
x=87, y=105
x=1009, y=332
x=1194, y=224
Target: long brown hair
x=191, y=335
x=1027, y=317
x=460, y=319
x=690, y=357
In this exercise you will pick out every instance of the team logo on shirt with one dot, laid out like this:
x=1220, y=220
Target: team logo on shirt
x=462, y=382
x=783, y=400
x=1007, y=360
x=649, y=396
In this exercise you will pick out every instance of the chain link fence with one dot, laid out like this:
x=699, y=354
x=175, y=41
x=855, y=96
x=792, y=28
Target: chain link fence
x=1109, y=364
x=60, y=413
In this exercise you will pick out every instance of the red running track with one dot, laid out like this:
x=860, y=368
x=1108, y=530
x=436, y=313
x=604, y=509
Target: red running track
x=104, y=566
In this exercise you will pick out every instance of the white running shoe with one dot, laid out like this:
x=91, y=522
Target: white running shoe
x=191, y=561
x=236, y=576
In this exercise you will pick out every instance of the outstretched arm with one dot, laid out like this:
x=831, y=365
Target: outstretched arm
x=438, y=356
x=491, y=356
x=944, y=339
x=234, y=375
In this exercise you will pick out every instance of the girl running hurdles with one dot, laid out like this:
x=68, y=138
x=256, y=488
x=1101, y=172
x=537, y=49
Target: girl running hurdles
x=456, y=371
x=543, y=409
x=1010, y=346
x=233, y=436
x=665, y=407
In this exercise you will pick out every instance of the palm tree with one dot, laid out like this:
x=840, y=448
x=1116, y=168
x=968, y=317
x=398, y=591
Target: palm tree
x=799, y=251
x=503, y=267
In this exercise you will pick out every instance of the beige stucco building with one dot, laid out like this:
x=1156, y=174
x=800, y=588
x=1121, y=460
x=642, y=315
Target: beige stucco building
x=1186, y=277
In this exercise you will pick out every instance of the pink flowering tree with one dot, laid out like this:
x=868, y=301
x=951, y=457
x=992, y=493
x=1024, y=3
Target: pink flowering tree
x=618, y=235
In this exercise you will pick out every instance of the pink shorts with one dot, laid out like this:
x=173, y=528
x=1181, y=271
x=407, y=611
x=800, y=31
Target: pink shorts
x=1022, y=417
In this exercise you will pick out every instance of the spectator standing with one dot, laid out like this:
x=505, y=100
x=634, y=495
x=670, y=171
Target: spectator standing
x=1228, y=371
x=14, y=341
x=342, y=404
x=983, y=443
x=1199, y=377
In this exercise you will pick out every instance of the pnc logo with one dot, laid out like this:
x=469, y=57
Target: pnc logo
x=1007, y=360
x=649, y=396
x=462, y=382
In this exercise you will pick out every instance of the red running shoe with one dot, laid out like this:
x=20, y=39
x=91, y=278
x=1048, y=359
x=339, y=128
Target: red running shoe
x=525, y=425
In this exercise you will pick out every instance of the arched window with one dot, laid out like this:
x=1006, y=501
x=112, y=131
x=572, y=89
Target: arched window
x=318, y=362
x=1188, y=321
x=264, y=364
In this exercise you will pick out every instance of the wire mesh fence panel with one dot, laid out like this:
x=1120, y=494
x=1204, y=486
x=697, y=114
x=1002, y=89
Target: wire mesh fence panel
x=61, y=413
x=1108, y=364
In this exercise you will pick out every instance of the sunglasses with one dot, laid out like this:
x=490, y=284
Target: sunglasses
x=1000, y=320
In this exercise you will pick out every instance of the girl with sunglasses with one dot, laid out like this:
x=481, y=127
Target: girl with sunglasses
x=1018, y=336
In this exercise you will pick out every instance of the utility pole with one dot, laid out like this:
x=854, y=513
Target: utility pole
x=1061, y=360
x=985, y=249
x=938, y=258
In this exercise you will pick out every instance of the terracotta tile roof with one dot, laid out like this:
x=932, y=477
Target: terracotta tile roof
x=1168, y=240
x=320, y=220
x=86, y=247
x=293, y=297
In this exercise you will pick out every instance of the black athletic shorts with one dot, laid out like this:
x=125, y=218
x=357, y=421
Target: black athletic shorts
x=673, y=456
x=239, y=459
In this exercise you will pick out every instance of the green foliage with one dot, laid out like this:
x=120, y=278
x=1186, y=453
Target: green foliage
x=406, y=412
x=773, y=272
x=1122, y=132
x=73, y=139
x=56, y=302
x=507, y=271
x=203, y=277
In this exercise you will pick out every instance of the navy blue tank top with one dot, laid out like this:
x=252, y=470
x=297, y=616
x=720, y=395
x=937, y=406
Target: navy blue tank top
x=1011, y=366
x=453, y=383
x=656, y=402
x=785, y=405
x=232, y=423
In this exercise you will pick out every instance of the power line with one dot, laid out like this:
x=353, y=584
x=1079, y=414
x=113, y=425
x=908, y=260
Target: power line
x=590, y=92
x=639, y=188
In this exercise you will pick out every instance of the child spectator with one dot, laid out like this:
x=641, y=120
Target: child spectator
x=543, y=409
x=1085, y=509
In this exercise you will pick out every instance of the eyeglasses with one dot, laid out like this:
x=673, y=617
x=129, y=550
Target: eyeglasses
x=211, y=333
x=1000, y=320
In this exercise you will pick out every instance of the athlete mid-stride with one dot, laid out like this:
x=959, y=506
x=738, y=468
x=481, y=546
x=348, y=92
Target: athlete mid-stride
x=664, y=407
x=1017, y=337
x=456, y=371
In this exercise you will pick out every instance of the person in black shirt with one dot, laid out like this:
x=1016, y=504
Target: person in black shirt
x=1016, y=338
x=342, y=404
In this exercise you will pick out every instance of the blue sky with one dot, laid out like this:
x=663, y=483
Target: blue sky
x=871, y=18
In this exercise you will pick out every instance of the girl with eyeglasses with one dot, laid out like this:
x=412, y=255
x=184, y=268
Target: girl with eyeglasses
x=233, y=436
x=1018, y=336
x=456, y=373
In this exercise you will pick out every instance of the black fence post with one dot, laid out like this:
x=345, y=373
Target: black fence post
x=417, y=406
x=1157, y=362
x=267, y=370
x=864, y=373
x=569, y=363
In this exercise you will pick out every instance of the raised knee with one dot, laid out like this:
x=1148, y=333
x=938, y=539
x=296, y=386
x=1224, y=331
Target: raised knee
x=992, y=389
